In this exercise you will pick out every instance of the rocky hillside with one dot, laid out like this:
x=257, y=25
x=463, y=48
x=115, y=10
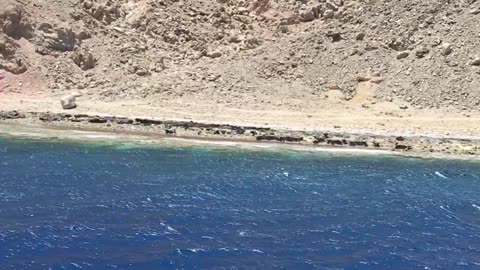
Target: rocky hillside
x=424, y=53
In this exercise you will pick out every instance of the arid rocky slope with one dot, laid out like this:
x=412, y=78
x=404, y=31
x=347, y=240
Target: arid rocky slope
x=411, y=53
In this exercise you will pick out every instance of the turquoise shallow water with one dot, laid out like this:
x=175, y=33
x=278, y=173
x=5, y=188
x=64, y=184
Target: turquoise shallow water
x=83, y=206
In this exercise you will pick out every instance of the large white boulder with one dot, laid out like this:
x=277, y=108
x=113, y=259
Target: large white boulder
x=68, y=102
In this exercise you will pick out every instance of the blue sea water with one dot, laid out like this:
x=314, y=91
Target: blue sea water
x=84, y=206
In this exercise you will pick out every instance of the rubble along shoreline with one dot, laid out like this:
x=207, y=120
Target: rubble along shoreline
x=410, y=145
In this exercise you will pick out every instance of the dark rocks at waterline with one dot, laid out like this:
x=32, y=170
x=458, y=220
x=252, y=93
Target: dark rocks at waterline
x=97, y=120
x=403, y=147
x=124, y=121
x=170, y=131
x=358, y=143
x=279, y=138
x=148, y=122
x=11, y=115
x=337, y=142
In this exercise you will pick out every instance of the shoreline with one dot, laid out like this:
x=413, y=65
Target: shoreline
x=410, y=145
x=109, y=137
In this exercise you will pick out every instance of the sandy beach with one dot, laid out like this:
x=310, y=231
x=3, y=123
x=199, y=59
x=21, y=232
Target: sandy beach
x=407, y=133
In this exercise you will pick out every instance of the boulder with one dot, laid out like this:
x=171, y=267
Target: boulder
x=334, y=36
x=377, y=79
x=214, y=54
x=68, y=102
x=398, y=44
x=332, y=5
x=14, y=22
x=328, y=14
x=142, y=72
x=15, y=66
x=76, y=94
x=402, y=55
x=446, y=49
x=360, y=36
x=308, y=14
x=289, y=20
x=10, y=60
x=252, y=43
x=84, y=60
x=60, y=39
x=422, y=52
x=476, y=61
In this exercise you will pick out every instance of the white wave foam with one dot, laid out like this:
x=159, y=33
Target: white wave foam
x=440, y=175
x=196, y=250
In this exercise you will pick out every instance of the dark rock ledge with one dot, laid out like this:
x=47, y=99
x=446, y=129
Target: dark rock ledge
x=193, y=129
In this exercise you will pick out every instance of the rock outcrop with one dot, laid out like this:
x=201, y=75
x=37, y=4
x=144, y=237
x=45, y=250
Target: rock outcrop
x=410, y=145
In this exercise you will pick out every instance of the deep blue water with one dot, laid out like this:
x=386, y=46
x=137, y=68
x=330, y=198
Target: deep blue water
x=80, y=206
